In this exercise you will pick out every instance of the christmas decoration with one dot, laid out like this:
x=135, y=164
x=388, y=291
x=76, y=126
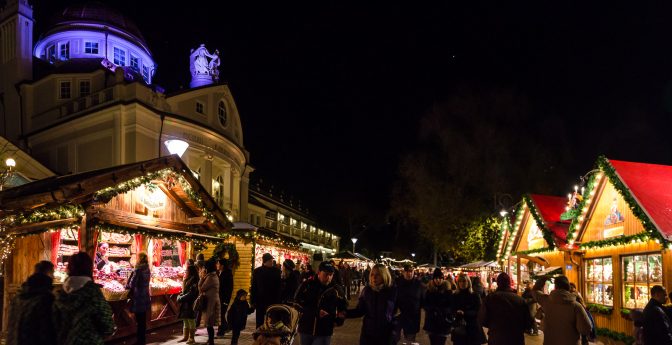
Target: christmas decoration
x=548, y=235
x=616, y=241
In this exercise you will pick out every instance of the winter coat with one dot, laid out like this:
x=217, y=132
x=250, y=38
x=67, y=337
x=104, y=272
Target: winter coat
x=237, y=315
x=225, y=285
x=265, y=288
x=528, y=297
x=438, y=310
x=470, y=304
x=377, y=307
x=289, y=285
x=506, y=316
x=313, y=297
x=657, y=325
x=29, y=319
x=81, y=316
x=307, y=275
x=209, y=286
x=564, y=318
x=187, y=297
x=410, y=296
x=138, y=283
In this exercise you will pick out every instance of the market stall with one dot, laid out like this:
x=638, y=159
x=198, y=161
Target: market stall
x=487, y=271
x=282, y=247
x=113, y=214
x=620, y=225
x=537, y=241
x=356, y=260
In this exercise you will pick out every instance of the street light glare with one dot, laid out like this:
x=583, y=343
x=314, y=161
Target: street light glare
x=10, y=162
x=176, y=146
x=503, y=213
x=354, y=240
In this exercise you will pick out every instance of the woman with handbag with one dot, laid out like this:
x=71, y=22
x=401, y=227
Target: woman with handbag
x=438, y=315
x=466, y=304
x=186, y=300
x=138, y=284
x=208, y=299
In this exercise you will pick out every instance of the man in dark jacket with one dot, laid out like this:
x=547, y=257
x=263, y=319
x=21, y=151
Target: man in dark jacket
x=225, y=290
x=324, y=306
x=290, y=281
x=29, y=312
x=505, y=314
x=657, y=326
x=265, y=289
x=410, y=296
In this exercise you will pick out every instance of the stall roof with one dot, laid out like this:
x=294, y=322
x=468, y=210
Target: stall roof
x=82, y=188
x=550, y=208
x=479, y=264
x=351, y=256
x=548, y=270
x=651, y=186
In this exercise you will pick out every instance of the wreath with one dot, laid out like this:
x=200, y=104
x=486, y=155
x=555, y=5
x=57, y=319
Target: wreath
x=227, y=251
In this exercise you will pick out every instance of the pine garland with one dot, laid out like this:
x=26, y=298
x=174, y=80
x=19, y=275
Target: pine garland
x=506, y=224
x=616, y=241
x=618, y=336
x=535, y=251
x=44, y=214
x=513, y=232
x=168, y=236
x=548, y=234
x=222, y=248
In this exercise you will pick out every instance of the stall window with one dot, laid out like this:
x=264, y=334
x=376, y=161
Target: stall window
x=640, y=273
x=599, y=281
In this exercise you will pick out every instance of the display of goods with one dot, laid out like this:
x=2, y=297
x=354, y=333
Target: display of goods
x=69, y=234
x=124, y=264
x=158, y=287
x=168, y=252
x=124, y=273
x=115, y=237
x=113, y=290
x=66, y=249
x=105, y=276
x=119, y=251
x=167, y=272
x=174, y=286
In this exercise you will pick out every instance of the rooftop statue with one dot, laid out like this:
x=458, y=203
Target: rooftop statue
x=204, y=66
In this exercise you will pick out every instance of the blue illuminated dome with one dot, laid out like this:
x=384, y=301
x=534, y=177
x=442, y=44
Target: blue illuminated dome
x=95, y=30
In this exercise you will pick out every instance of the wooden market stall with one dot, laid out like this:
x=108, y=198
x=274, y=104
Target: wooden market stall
x=156, y=206
x=622, y=226
x=536, y=244
x=359, y=261
x=487, y=271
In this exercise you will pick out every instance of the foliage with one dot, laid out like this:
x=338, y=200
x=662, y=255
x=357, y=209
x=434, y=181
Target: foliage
x=222, y=250
x=600, y=309
x=480, y=240
x=618, y=336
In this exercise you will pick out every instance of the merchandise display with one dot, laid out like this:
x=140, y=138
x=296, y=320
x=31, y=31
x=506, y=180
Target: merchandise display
x=640, y=273
x=599, y=281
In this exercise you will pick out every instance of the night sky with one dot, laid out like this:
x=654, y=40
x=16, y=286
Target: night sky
x=331, y=93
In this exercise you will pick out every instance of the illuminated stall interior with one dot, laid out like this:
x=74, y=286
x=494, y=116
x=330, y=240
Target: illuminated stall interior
x=537, y=243
x=622, y=225
x=156, y=206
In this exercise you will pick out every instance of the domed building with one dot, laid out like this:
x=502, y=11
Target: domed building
x=82, y=98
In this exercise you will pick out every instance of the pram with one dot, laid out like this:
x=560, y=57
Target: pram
x=281, y=323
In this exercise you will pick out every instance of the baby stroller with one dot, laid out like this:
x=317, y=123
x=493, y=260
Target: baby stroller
x=280, y=326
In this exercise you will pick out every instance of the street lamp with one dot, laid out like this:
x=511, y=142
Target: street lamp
x=354, y=240
x=5, y=175
x=503, y=213
x=176, y=146
x=413, y=255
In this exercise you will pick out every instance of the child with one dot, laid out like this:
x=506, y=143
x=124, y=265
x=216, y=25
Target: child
x=273, y=331
x=237, y=315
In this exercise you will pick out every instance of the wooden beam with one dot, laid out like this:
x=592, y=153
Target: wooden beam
x=179, y=201
x=120, y=218
x=32, y=227
x=118, y=222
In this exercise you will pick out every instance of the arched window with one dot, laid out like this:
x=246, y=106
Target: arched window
x=221, y=113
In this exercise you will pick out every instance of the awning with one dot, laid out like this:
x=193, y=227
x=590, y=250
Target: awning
x=548, y=271
x=478, y=264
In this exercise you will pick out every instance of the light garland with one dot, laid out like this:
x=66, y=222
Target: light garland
x=249, y=236
x=516, y=227
x=548, y=235
x=617, y=241
x=503, y=227
x=44, y=214
x=577, y=213
x=149, y=233
x=536, y=251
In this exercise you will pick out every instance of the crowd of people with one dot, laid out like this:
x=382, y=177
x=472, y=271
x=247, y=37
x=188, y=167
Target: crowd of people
x=390, y=303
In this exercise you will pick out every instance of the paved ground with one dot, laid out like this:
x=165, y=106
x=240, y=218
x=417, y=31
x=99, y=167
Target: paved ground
x=348, y=334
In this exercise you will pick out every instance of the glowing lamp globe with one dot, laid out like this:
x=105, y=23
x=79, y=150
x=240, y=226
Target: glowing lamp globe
x=10, y=163
x=176, y=146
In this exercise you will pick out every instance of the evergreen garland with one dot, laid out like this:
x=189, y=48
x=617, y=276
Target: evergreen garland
x=230, y=248
x=548, y=235
x=616, y=241
x=535, y=251
x=504, y=225
x=513, y=232
x=618, y=336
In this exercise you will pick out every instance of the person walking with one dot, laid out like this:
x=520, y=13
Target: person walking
x=81, y=315
x=528, y=297
x=657, y=325
x=290, y=281
x=208, y=288
x=237, y=315
x=265, y=289
x=376, y=304
x=308, y=274
x=324, y=305
x=186, y=300
x=438, y=312
x=565, y=319
x=466, y=305
x=29, y=321
x=505, y=314
x=138, y=284
x=225, y=276
x=410, y=297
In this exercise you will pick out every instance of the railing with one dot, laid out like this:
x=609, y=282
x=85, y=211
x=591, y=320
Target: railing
x=83, y=103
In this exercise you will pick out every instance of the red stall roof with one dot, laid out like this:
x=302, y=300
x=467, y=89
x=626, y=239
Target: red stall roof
x=550, y=208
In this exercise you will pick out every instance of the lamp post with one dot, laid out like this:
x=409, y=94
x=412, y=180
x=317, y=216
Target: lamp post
x=413, y=255
x=5, y=175
x=354, y=240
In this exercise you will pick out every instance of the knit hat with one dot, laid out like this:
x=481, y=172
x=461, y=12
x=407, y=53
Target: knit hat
x=503, y=280
x=327, y=267
x=266, y=257
x=437, y=273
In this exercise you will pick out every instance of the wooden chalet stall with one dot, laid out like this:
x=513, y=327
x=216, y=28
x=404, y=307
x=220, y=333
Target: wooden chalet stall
x=156, y=206
x=536, y=244
x=622, y=226
x=356, y=260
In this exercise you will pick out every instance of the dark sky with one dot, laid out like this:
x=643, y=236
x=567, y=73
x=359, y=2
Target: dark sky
x=330, y=92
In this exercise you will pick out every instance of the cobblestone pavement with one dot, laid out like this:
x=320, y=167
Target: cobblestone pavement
x=348, y=334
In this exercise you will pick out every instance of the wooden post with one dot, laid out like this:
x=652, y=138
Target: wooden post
x=88, y=235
